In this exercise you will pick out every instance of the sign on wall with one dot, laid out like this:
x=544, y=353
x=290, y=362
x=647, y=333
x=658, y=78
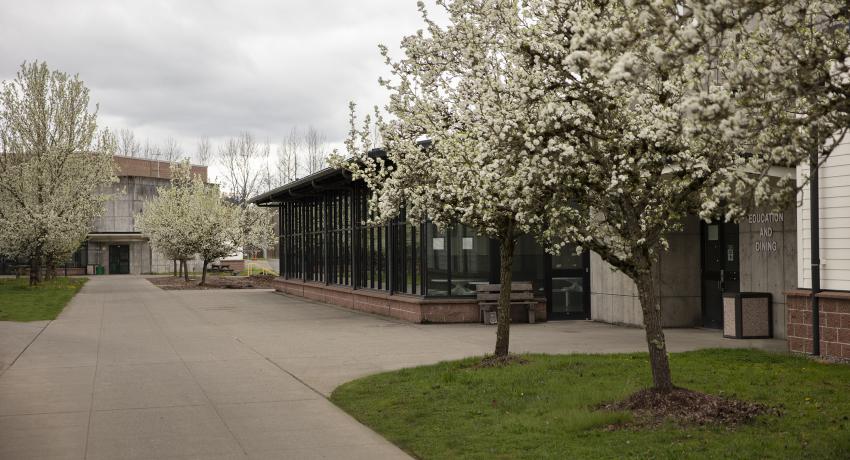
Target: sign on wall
x=767, y=241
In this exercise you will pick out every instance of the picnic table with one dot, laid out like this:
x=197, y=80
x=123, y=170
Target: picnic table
x=221, y=268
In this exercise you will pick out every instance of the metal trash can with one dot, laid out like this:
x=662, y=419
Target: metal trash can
x=748, y=315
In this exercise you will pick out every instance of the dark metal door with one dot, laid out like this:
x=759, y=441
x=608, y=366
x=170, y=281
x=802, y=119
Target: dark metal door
x=720, y=269
x=568, y=290
x=119, y=259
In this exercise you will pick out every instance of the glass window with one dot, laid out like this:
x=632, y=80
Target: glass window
x=529, y=259
x=437, y=246
x=79, y=259
x=470, y=255
x=567, y=259
x=567, y=294
x=412, y=244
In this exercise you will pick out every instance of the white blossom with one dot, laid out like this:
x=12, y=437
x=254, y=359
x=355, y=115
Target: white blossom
x=606, y=123
x=190, y=217
x=55, y=167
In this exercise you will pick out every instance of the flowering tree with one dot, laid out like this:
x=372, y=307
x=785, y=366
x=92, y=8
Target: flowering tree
x=167, y=219
x=256, y=226
x=659, y=112
x=191, y=217
x=216, y=230
x=220, y=228
x=606, y=123
x=54, y=166
x=465, y=88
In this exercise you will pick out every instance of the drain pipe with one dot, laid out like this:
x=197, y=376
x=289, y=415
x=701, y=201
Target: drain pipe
x=814, y=220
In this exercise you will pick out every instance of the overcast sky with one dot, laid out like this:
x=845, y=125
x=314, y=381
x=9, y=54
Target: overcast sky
x=186, y=69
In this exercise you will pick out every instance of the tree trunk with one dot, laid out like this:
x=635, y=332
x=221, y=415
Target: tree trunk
x=503, y=328
x=204, y=273
x=35, y=270
x=50, y=270
x=185, y=266
x=647, y=285
x=175, y=268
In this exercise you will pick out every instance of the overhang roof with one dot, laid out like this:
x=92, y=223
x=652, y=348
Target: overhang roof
x=302, y=187
x=328, y=178
x=115, y=236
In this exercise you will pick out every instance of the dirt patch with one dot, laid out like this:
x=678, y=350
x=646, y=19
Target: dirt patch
x=499, y=361
x=214, y=282
x=687, y=407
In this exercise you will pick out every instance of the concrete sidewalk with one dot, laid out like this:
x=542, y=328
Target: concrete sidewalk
x=131, y=371
x=15, y=338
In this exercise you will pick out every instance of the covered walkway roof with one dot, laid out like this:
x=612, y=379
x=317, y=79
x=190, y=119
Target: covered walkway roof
x=326, y=179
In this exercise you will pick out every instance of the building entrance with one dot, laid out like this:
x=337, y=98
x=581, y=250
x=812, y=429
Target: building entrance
x=119, y=259
x=720, y=269
x=569, y=285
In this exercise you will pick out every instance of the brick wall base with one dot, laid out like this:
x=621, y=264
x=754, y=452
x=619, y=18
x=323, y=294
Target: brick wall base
x=834, y=322
x=405, y=307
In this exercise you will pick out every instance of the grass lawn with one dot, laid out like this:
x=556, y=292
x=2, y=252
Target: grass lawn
x=545, y=409
x=20, y=302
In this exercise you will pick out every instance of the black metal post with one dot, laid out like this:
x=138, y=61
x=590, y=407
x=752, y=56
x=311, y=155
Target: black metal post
x=814, y=216
x=326, y=247
x=392, y=279
x=423, y=257
x=280, y=243
x=354, y=210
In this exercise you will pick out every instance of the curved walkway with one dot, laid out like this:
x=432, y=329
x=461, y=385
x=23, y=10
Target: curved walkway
x=131, y=371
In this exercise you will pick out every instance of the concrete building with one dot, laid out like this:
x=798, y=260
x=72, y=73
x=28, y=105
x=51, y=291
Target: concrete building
x=705, y=261
x=421, y=274
x=114, y=243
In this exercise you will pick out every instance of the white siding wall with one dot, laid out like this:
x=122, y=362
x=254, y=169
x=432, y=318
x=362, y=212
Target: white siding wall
x=834, y=189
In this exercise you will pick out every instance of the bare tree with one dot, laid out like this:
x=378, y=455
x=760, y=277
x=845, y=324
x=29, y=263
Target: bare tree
x=288, y=153
x=315, y=146
x=150, y=151
x=171, y=150
x=204, y=150
x=299, y=152
x=127, y=143
x=243, y=160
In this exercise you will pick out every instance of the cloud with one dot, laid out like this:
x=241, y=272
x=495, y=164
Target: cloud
x=198, y=68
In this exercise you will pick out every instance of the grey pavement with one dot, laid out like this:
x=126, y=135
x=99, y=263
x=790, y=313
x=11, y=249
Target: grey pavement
x=131, y=371
x=15, y=337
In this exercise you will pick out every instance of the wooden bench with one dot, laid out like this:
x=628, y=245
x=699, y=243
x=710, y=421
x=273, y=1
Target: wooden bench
x=522, y=293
